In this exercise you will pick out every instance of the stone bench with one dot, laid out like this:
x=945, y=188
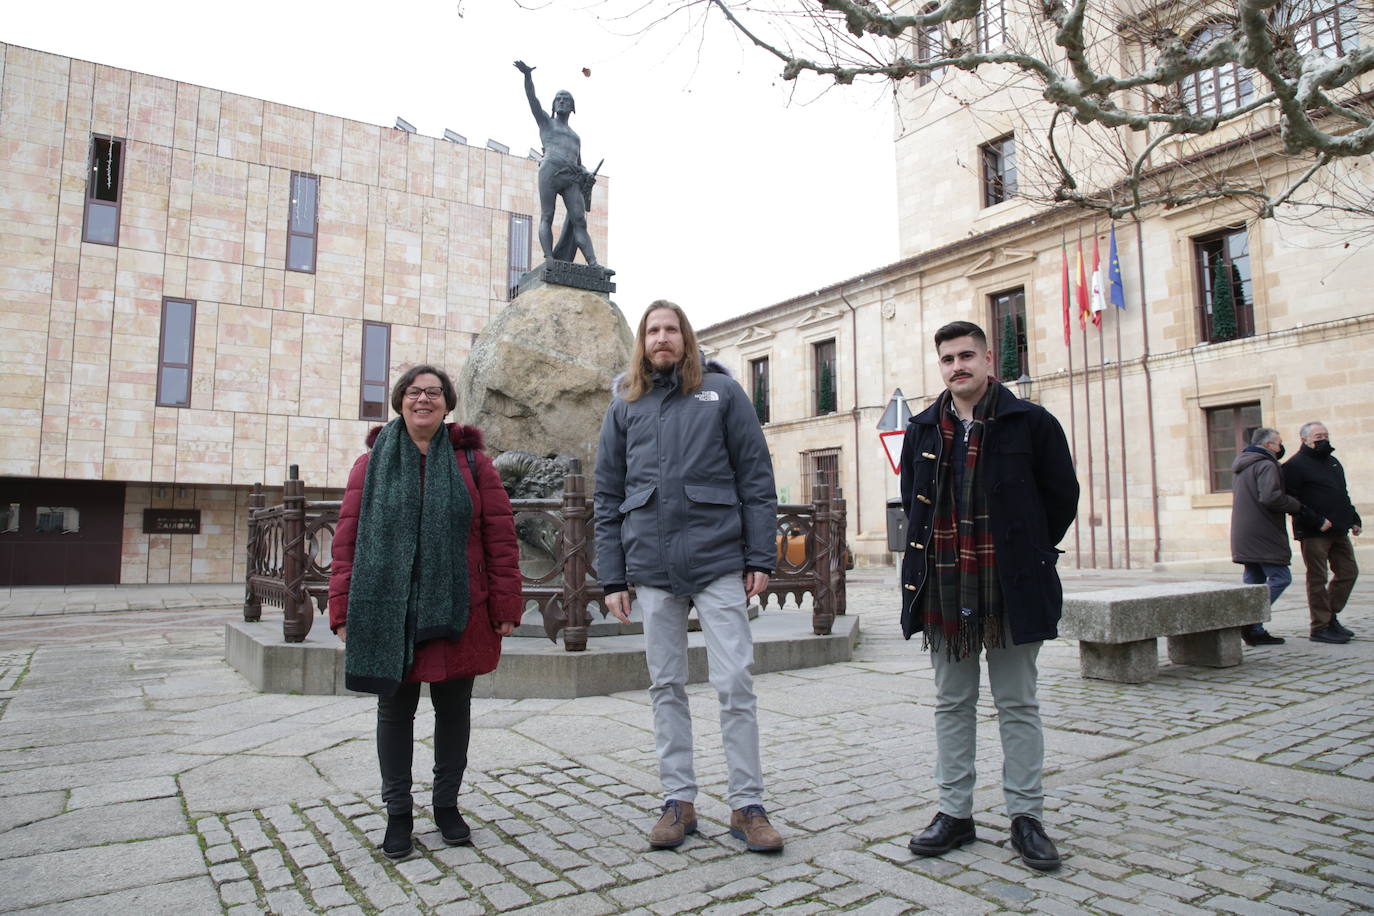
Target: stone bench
x=1117, y=627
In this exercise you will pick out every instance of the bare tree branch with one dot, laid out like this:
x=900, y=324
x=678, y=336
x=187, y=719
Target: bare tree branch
x=1188, y=77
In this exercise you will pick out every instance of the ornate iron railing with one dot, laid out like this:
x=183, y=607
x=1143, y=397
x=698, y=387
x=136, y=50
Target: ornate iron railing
x=289, y=557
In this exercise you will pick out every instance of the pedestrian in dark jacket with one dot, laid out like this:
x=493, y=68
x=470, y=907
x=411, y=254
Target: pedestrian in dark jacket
x=686, y=512
x=989, y=489
x=425, y=582
x=1316, y=477
x=1259, y=536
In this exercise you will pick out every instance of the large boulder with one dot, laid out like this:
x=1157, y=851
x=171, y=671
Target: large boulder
x=539, y=377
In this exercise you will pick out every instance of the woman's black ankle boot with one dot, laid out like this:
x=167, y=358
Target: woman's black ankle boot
x=452, y=827
x=397, y=843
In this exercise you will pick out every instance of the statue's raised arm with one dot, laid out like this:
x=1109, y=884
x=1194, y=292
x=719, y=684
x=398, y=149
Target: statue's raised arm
x=536, y=109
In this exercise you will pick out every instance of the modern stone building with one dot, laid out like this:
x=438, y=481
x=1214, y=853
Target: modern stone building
x=200, y=289
x=1155, y=431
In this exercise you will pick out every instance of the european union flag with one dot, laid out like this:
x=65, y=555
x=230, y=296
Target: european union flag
x=1116, y=292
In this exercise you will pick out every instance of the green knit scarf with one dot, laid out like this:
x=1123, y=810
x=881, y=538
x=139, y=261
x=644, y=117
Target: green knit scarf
x=410, y=573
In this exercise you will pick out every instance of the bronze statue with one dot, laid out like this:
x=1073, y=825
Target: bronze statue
x=561, y=174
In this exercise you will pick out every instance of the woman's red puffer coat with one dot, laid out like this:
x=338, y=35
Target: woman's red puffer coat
x=493, y=565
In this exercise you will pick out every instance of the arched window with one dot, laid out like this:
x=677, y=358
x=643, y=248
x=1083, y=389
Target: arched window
x=1220, y=89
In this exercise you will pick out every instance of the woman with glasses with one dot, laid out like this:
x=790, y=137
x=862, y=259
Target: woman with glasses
x=425, y=582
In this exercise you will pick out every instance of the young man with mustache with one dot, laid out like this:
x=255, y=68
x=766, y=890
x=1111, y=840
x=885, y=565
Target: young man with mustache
x=686, y=512
x=989, y=489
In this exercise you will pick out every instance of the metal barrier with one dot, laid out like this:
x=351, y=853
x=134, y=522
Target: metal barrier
x=289, y=557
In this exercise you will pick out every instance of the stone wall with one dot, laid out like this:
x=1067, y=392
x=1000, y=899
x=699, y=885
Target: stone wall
x=412, y=232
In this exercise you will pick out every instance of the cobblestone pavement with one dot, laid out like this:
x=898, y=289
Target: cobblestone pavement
x=140, y=774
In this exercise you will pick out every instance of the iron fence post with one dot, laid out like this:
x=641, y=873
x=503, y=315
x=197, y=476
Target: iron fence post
x=296, y=616
x=575, y=565
x=252, y=603
x=823, y=610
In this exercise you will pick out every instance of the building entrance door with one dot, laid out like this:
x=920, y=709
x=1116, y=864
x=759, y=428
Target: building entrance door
x=60, y=532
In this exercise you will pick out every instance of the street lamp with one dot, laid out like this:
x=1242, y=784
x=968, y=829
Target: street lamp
x=1023, y=386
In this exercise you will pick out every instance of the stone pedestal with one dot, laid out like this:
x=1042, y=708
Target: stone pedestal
x=535, y=667
x=539, y=378
x=1128, y=662
x=1215, y=649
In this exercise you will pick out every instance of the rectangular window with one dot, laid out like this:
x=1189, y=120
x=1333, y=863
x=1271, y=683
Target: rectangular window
x=175, y=350
x=1329, y=27
x=376, y=363
x=1009, y=334
x=823, y=380
x=9, y=518
x=57, y=520
x=303, y=223
x=518, y=251
x=999, y=170
x=819, y=465
x=758, y=387
x=104, y=184
x=1228, y=433
x=930, y=45
x=1226, y=291
x=992, y=25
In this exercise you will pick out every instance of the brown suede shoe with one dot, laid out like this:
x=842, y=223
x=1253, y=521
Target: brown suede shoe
x=679, y=819
x=750, y=824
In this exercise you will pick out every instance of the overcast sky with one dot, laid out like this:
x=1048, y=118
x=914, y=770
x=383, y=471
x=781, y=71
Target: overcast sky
x=732, y=190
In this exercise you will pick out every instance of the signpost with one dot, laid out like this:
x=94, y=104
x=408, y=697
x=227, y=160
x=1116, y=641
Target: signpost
x=892, y=428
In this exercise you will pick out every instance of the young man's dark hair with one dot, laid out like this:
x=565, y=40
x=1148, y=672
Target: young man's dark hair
x=961, y=329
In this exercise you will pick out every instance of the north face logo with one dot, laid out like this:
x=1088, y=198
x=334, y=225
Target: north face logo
x=707, y=396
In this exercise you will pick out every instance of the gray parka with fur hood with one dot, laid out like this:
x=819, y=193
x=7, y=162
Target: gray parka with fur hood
x=684, y=486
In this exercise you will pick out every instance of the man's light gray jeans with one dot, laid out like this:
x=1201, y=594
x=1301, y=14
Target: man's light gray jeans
x=1012, y=676
x=722, y=609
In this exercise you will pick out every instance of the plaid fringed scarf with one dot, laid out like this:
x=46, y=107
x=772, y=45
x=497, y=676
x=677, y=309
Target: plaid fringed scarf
x=962, y=601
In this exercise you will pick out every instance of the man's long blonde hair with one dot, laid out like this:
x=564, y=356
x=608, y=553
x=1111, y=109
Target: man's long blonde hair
x=639, y=379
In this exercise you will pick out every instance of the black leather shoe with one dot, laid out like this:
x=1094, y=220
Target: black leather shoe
x=452, y=827
x=1328, y=635
x=1028, y=838
x=943, y=834
x=397, y=843
x=1335, y=626
x=1262, y=638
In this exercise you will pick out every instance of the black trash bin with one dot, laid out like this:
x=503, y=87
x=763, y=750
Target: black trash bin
x=896, y=525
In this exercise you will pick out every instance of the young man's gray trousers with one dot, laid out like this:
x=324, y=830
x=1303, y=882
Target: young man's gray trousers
x=1012, y=675
x=722, y=609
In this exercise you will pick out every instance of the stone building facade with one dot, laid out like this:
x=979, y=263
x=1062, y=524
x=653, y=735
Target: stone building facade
x=1156, y=423
x=200, y=289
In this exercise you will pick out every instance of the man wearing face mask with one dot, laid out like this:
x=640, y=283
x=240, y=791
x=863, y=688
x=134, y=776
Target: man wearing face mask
x=1259, y=539
x=1317, y=479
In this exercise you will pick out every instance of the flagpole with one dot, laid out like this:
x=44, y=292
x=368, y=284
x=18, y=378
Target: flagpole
x=1073, y=421
x=1102, y=370
x=1149, y=387
x=1087, y=404
x=1121, y=429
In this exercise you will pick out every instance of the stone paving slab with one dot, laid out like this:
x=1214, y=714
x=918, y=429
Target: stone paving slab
x=139, y=774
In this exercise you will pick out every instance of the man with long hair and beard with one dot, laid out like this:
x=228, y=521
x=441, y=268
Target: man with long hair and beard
x=686, y=512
